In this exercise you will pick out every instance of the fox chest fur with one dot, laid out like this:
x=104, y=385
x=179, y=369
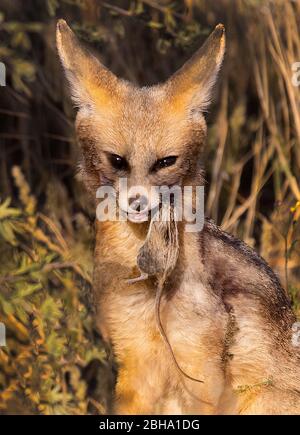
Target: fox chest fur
x=195, y=323
x=212, y=312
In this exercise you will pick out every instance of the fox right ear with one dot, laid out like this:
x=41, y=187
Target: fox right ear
x=191, y=86
x=91, y=83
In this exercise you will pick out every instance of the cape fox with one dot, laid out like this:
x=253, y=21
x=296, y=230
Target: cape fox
x=228, y=322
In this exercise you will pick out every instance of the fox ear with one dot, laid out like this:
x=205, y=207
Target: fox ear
x=191, y=86
x=91, y=83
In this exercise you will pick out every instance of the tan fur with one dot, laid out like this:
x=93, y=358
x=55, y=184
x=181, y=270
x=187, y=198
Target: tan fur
x=223, y=310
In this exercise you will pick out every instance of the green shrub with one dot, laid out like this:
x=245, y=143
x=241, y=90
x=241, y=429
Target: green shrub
x=45, y=306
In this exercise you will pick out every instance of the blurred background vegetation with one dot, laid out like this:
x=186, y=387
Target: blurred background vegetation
x=54, y=358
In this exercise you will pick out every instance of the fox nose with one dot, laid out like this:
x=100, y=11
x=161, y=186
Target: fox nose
x=138, y=203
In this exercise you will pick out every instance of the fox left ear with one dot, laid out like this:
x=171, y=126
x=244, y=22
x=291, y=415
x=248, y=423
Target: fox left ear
x=91, y=83
x=191, y=86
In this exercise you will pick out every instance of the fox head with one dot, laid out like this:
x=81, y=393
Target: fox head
x=152, y=136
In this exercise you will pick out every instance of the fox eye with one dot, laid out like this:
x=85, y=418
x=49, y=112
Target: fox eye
x=118, y=162
x=164, y=163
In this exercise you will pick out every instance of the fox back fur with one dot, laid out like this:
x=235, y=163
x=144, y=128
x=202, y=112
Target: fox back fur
x=227, y=319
